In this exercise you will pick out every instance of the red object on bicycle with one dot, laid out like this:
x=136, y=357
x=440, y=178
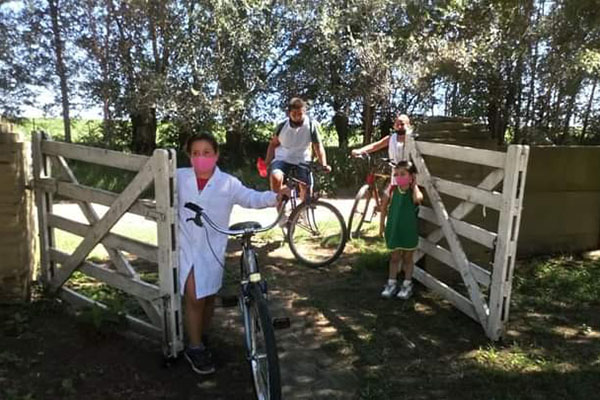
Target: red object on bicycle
x=370, y=179
x=261, y=166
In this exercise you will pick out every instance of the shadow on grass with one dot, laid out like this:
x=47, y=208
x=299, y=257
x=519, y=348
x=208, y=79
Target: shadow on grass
x=423, y=348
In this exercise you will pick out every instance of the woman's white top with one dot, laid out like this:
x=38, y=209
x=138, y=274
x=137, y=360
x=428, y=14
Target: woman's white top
x=397, y=149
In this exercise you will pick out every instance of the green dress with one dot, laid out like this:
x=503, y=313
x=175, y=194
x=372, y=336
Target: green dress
x=401, y=226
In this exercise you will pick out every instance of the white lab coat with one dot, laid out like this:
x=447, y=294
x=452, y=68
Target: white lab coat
x=217, y=199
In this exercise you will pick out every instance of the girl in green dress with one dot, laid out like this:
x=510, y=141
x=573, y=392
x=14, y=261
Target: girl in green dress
x=401, y=235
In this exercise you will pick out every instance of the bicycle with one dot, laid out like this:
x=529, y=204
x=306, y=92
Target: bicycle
x=259, y=336
x=361, y=212
x=315, y=230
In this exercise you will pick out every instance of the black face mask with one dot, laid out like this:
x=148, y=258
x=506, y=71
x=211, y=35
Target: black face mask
x=294, y=124
x=401, y=130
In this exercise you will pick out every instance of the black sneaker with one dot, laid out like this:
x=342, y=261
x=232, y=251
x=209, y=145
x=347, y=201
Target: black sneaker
x=200, y=361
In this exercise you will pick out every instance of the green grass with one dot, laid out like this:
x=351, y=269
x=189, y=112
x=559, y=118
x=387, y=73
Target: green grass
x=562, y=280
x=54, y=126
x=424, y=348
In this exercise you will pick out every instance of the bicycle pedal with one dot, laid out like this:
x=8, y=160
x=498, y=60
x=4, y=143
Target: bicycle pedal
x=281, y=323
x=229, y=301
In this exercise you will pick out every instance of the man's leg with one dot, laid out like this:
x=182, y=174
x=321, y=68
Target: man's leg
x=305, y=176
x=277, y=171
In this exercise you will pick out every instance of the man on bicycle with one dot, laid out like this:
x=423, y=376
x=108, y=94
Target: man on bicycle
x=291, y=146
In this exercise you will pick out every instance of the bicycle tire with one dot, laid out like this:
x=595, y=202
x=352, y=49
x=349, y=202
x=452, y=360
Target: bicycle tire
x=316, y=244
x=263, y=358
x=359, y=211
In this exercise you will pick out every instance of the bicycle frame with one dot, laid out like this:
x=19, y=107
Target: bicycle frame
x=371, y=179
x=253, y=290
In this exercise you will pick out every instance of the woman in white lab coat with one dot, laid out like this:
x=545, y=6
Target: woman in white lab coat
x=202, y=250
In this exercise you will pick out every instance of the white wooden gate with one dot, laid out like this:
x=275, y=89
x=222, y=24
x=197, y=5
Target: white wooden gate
x=52, y=176
x=480, y=283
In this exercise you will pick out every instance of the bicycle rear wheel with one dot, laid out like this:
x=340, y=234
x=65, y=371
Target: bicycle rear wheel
x=360, y=211
x=317, y=233
x=262, y=351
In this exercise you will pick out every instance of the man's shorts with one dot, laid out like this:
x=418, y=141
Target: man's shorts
x=302, y=172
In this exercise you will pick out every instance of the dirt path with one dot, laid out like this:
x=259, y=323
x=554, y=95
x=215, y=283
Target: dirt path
x=47, y=353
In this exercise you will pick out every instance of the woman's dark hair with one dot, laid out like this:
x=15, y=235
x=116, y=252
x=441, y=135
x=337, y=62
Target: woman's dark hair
x=199, y=137
x=408, y=165
x=296, y=103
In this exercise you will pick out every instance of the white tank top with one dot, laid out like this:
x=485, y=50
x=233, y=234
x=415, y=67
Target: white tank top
x=396, y=149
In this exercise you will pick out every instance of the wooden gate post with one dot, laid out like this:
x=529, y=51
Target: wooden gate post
x=508, y=233
x=16, y=218
x=168, y=258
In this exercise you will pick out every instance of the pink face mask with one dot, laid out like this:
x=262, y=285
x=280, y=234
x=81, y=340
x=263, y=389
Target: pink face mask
x=403, y=181
x=204, y=164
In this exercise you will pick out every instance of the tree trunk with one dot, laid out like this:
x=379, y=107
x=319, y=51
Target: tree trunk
x=569, y=111
x=588, y=110
x=233, y=139
x=61, y=70
x=367, y=120
x=454, y=99
x=387, y=122
x=519, y=101
x=340, y=121
x=143, y=139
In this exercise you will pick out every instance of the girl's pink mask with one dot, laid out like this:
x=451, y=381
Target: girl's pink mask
x=403, y=181
x=204, y=164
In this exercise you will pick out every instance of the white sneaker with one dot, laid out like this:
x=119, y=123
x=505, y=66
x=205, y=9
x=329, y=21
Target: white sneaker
x=389, y=290
x=405, y=291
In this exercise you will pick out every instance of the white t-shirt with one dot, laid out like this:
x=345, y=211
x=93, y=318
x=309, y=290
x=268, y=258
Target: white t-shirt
x=295, y=142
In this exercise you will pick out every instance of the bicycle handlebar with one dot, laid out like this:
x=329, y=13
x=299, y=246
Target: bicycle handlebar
x=200, y=215
x=368, y=157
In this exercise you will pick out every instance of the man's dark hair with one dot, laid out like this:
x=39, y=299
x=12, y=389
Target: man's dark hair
x=296, y=103
x=199, y=137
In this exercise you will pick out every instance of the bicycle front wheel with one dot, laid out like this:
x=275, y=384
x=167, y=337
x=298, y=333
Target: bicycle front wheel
x=317, y=233
x=263, y=358
x=360, y=210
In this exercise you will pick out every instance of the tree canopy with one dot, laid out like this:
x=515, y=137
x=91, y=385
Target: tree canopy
x=528, y=69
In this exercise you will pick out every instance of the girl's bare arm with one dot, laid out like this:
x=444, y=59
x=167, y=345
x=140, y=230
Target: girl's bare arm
x=417, y=195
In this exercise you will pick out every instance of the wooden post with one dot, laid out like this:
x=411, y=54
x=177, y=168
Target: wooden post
x=44, y=202
x=508, y=233
x=16, y=222
x=168, y=258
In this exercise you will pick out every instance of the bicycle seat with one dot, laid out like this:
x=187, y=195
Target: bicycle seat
x=242, y=226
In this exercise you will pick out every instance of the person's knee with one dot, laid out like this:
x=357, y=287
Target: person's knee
x=395, y=256
x=407, y=256
x=277, y=176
